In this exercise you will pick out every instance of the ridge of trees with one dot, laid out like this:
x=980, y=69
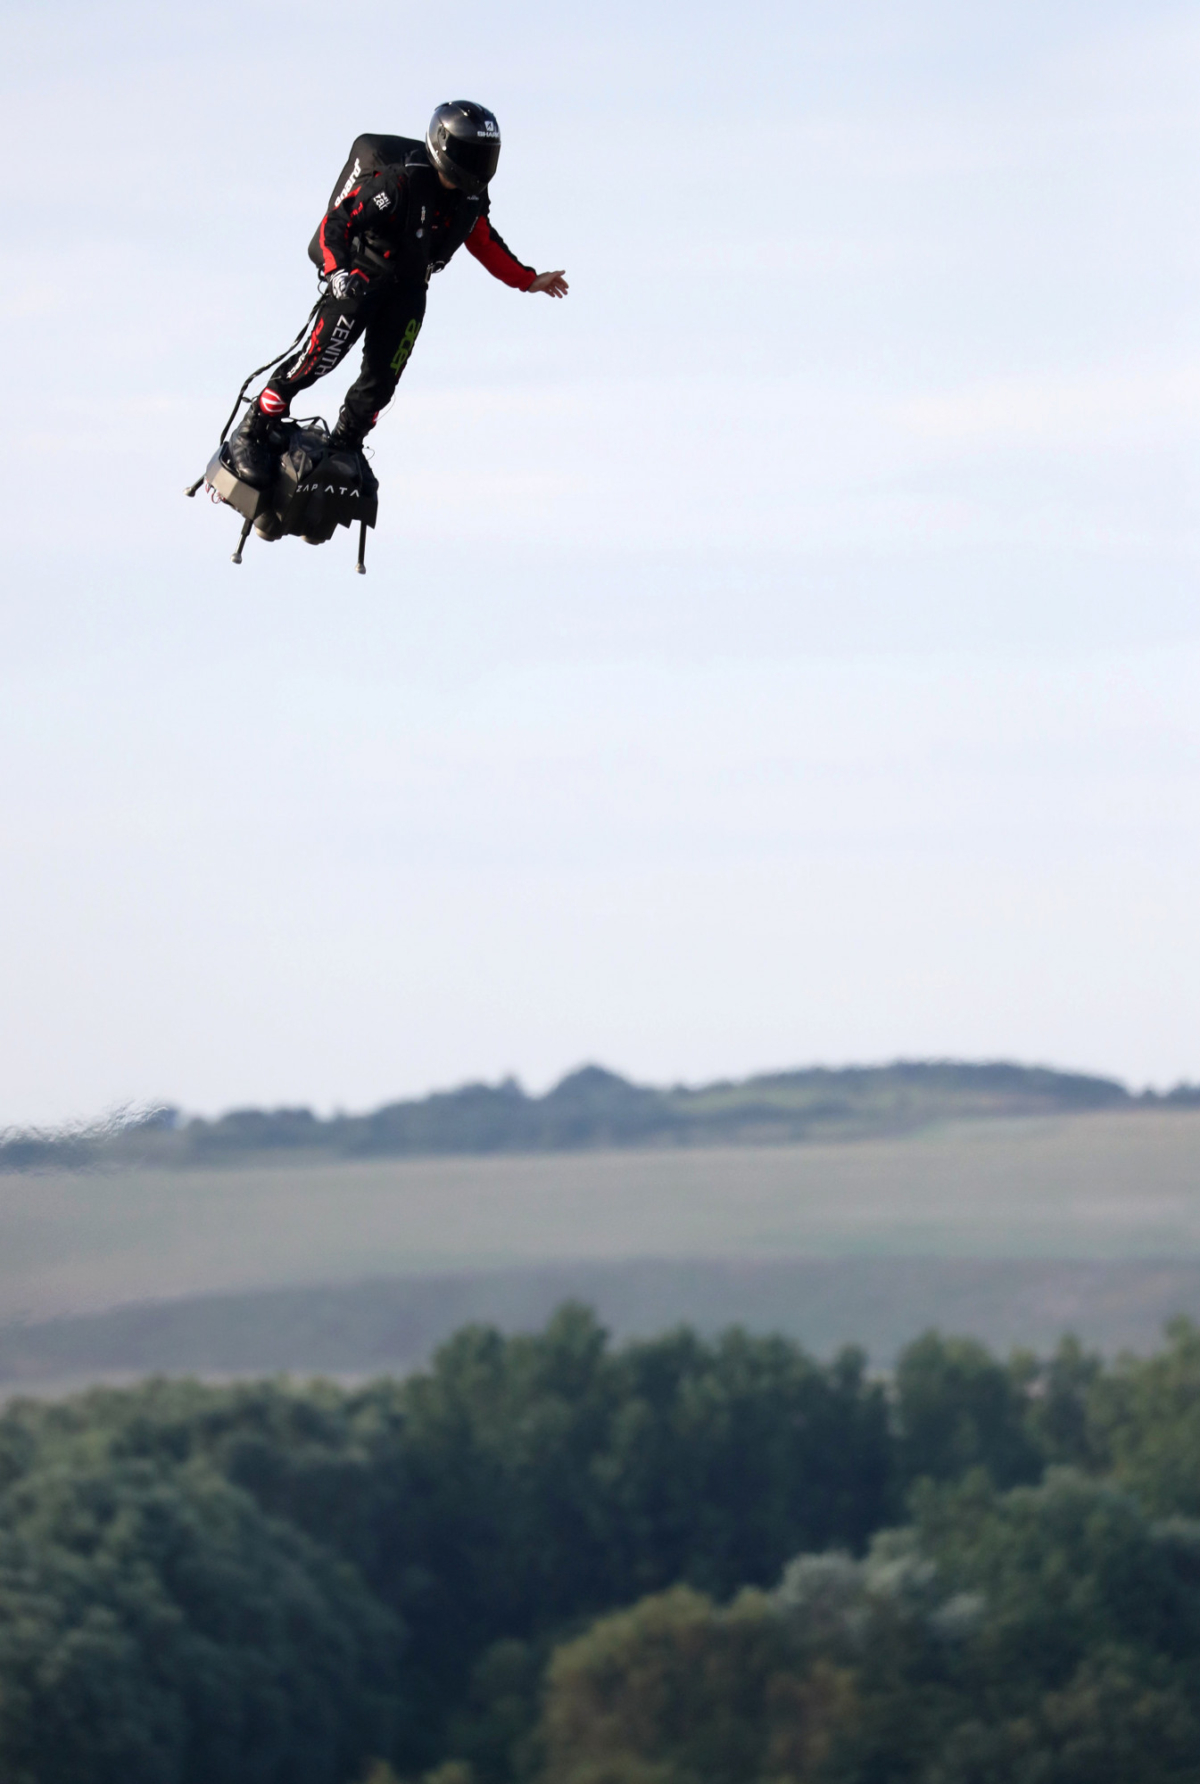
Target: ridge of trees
x=593, y=1107
x=548, y=1560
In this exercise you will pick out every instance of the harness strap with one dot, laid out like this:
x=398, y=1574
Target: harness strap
x=270, y=365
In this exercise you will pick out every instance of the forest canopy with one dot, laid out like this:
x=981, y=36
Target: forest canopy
x=549, y=1560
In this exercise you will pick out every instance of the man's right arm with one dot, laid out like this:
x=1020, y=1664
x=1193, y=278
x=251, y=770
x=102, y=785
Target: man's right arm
x=334, y=234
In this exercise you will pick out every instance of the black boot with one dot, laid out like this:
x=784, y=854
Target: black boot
x=249, y=450
x=349, y=431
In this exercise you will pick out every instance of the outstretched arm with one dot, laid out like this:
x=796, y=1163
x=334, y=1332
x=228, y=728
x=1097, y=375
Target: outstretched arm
x=492, y=251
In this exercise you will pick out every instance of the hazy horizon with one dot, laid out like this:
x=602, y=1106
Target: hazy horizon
x=325, y=1110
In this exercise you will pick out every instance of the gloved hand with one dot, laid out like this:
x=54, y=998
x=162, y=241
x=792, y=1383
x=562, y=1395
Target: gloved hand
x=346, y=285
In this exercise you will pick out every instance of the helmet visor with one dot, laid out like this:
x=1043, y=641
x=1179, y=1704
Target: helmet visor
x=473, y=158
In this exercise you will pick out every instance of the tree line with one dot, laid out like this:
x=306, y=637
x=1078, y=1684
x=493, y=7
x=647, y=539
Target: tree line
x=593, y=1107
x=549, y=1560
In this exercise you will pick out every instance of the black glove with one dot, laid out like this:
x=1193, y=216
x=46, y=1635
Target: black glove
x=347, y=285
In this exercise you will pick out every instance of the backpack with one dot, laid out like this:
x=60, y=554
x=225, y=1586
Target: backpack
x=370, y=154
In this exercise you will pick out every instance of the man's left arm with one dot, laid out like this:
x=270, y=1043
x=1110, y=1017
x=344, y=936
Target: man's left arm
x=492, y=251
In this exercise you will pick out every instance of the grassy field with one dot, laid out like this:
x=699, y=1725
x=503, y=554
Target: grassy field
x=1107, y=1185
x=352, y=1330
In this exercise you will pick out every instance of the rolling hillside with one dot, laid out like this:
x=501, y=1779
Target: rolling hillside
x=865, y=1204
x=1117, y=1190
x=593, y=1108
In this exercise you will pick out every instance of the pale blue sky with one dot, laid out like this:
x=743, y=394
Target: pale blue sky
x=785, y=650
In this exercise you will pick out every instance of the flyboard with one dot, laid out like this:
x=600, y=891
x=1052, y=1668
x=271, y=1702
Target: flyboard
x=317, y=487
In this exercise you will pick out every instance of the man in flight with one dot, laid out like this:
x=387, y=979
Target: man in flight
x=385, y=234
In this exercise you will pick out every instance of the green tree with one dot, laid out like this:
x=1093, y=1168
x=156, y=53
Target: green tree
x=537, y=1481
x=1084, y=1638
x=1059, y=1413
x=492, y=1730
x=1144, y=1417
x=957, y=1408
x=680, y=1691
x=201, y=1583
x=162, y=1630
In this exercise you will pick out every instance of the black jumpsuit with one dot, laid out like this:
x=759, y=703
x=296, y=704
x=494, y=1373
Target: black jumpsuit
x=391, y=230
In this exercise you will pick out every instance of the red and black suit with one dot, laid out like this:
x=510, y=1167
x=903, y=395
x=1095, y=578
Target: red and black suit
x=391, y=230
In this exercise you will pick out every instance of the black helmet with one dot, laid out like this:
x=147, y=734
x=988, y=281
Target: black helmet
x=463, y=140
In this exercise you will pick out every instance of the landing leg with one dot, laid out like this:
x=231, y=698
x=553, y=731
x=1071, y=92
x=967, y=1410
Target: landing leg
x=193, y=487
x=237, y=556
x=360, y=566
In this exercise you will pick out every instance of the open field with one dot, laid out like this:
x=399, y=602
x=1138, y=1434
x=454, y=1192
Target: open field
x=377, y=1326
x=1107, y=1185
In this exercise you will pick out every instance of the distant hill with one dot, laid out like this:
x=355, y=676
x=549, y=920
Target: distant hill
x=594, y=1108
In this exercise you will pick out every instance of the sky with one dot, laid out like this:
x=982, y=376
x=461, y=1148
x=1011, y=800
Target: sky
x=783, y=651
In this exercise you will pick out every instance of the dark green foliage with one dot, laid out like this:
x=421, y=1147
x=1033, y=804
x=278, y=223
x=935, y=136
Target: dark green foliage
x=1060, y=1414
x=598, y=1476
x=493, y=1728
x=1050, y=1635
x=159, y=1629
x=680, y=1689
x=268, y=1584
x=520, y=1486
x=1064, y=1567
x=957, y=1408
x=1145, y=1420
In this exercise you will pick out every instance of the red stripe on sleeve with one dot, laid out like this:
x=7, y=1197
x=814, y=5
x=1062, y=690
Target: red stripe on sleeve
x=329, y=260
x=493, y=253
